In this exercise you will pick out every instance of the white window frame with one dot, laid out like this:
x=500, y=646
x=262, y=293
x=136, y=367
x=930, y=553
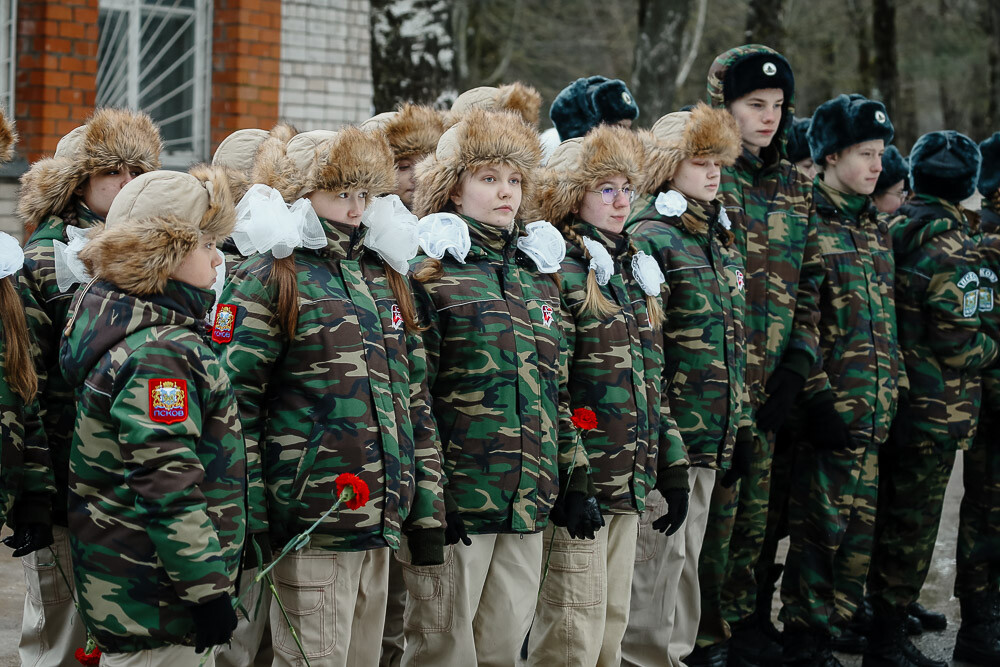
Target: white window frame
x=8, y=54
x=128, y=94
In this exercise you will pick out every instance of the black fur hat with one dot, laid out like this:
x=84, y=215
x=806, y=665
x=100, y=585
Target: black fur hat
x=798, y=145
x=844, y=121
x=586, y=103
x=989, y=174
x=945, y=165
x=894, y=169
x=757, y=71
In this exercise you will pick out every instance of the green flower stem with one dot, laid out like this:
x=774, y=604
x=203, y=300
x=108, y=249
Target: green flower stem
x=288, y=621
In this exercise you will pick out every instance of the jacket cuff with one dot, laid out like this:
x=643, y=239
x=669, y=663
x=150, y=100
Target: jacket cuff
x=674, y=477
x=744, y=435
x=450, y=506
x=825, y=396
x=32, y=508
x=426, y=546
x=579, y=480
x=799, y=362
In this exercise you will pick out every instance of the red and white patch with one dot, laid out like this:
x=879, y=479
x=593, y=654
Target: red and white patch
x=225, y=323
x=397, y=317
x=547, y=317
x=168, y=402
x=739, y=280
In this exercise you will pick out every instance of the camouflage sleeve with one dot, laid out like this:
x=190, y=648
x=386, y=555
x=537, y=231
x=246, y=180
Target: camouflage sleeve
x=670, y=448
x=572, y=452
x=805, y=323
x=38, y=483
x=953, y=327
x=428, y=500
x=248, y=358
x=164, y=471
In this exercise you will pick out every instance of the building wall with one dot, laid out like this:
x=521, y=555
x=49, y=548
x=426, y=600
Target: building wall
x=326, y=78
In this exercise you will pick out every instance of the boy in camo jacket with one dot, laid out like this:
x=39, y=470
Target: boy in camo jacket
x=157, y=476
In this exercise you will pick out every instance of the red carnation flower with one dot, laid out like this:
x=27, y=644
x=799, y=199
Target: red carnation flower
x=92, y=658
x=584, y=419
x=352, y=490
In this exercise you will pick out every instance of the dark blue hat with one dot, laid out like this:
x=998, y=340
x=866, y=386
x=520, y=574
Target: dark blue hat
x=586, y=103
x=945, y=165
x=894, y=169
x=761, y=69
x=844, y=121
x=989, y=174
x=798, y=145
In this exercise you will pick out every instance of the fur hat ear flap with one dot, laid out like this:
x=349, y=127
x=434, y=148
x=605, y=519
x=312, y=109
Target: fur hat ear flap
x=989, y=175
x=894, y=169
x=355, y=160
x=413, y=131
x=8, y=137
x=116, y=138
x=219, y=219
x=516, y=97
x=47, y=188
x=140, y=257
x=272, y=166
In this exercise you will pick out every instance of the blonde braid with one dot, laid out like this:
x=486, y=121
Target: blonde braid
x=594, y=301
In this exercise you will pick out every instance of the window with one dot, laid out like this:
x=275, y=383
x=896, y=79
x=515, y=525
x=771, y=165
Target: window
x=155, y=55
x=8, y=53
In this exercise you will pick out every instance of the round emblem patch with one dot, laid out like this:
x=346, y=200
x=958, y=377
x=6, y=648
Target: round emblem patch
x=879, y=116
x=770, y=69
x=626, y=98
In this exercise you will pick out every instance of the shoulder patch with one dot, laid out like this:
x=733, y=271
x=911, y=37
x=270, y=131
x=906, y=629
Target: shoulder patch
x=739, y=280
x=547, y=316
x=969, y=277
x=225, y=323
x=970, y=303
x=168, y=403
x=397, y=317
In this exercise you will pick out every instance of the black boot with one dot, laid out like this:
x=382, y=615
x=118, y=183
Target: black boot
x=714, y=655
x=913, y=625
x=929, y=620
x=807, y=648
x=889, y=645
x=750, y=645
x=978, y=640
x=854, y=638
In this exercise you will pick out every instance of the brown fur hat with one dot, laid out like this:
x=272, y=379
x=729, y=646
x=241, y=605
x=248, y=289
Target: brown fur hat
x=481, y=138
x=584, y=162
x=237, y=154
x=516, y=97
x=413, y=131
x=111, y=139
x=8, y=137
x=701, y=132
x=154, y=222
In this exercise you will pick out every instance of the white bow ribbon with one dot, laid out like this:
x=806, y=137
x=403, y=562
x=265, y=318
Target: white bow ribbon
x=11, y=255
x=600, y=260
x=670, y=203
x=544, y=244
x=647, y=273
x=69, y=269
x=265, y=223
x=724, y=219
x=444, y=232
x=392, y=232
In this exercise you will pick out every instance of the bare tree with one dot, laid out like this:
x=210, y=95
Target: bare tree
x=858, y=15
x=884, y=65
x=765, y=23
x=658, y=54
x=992, y=24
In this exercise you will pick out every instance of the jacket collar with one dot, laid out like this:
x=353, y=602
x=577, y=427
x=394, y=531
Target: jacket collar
x=848, y=205
x=343, y=241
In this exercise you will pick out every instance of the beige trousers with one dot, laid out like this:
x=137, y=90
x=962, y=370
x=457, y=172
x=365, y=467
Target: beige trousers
x=51, y=630
x=582, y=611
x=166, y=656
x=666, y=600
x=474, y=609
x=336, y=602
x=251, y=642
x=392, y=633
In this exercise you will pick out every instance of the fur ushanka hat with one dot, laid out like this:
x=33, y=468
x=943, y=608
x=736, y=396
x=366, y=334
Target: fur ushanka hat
x=480, y=138
x=894, y=169
x=844, y=121
x=588, y=102
x=237, y=152
x=8, y=137
x=413, y=131
x=989, y=174
x=154, y=222
x=701, y=132
x=798, y=144
x=111, y=139
x=517, y=97
x=578, y=164
x=348, y=159
x=946, y=165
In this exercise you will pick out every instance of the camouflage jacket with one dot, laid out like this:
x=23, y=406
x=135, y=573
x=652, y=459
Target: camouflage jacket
x=937, y=307
x=157, y=475
x=497, y=371
x=770, y=203
x=45, y=307
x=703, y=338
x=346, y=394
x=25, y=482
x=615, y=367
x=847, y=282
x=989, y=314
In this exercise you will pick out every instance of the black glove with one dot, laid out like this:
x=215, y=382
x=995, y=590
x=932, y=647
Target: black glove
x=827, y=429
x=677, y=509
x=782, y=389
x=426, y=546
x=28, y=538
x=742, y=458
x=455, y=530
x=902, y=424
x=578, y=514
x=214, y=622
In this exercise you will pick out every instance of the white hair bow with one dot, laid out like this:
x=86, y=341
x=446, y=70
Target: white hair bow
x=647, y=273
x=265, y=223
x=544, y=244
x=444, y=232
x=670, y=203
x=392, y=232
x=69, y=269
x=600, y=260
x=11, y=255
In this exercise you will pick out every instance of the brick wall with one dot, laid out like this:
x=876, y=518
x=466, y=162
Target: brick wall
x=56, y=80
x=326, y=77
x=246, y=51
